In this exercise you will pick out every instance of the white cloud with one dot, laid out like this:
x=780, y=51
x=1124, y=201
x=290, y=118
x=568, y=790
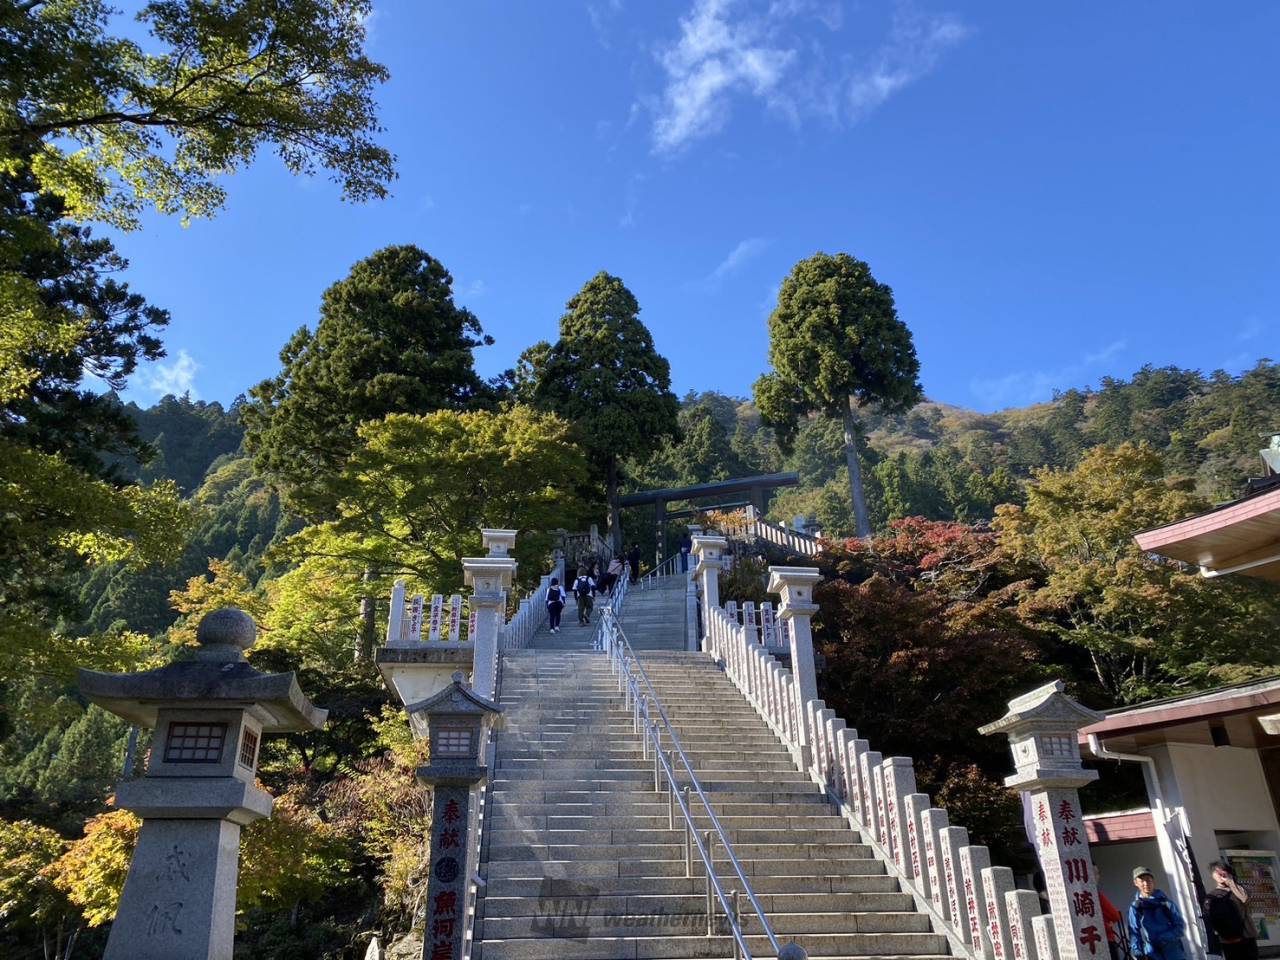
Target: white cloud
x=631, y=199
x=1252, y=327
x=731, y=49
x=1037, y=386
x=469, y=291
x=915, y=43
x=713, y=58
x=177, y=377
x=601, y=15
x=745, y=250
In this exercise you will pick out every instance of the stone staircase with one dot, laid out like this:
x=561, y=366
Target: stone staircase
x=577, y=851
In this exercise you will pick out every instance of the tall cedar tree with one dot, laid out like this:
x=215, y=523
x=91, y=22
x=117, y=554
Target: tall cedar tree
x=70, y=275
x=836, y=344
x=390, y=340
x=606, y=379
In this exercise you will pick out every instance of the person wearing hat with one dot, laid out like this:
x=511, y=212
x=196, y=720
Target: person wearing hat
x=1228, y=918
x=1155, y=925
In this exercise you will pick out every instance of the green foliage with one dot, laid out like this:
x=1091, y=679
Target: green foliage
x=417, y=490
x=111, y=125
x=606, y=379
x=188, y=437
x=58, y=293
x=836, y=344
x=27, y=896
x=390, y=340
x=92, y=871
x=1149, y=627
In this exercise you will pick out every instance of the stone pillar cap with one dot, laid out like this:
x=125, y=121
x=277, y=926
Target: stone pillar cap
x=502, y=569
x=498, y=542
x=780, y=576
x=705, y=540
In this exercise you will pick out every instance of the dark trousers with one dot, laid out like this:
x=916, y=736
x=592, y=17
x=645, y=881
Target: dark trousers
x=684, y=560
x=584, y=608
x=635, y=570
x=1244, y=950
x=553, y=613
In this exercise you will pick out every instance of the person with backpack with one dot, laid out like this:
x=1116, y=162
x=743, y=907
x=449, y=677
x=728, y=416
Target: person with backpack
x=555, y=604
x=1155, y=925
x=583, y=587
x=1228, y=918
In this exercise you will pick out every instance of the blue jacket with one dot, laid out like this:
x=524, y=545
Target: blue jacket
x=1156, y=927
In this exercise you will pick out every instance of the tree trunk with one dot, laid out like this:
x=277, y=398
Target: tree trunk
x=615, y=514
x=368, y=619
x=861, y=521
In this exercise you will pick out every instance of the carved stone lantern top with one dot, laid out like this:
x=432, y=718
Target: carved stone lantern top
x=498, y=543
x=218, y=678
x=1042, y=728
x=795, y=584
x=488, y=574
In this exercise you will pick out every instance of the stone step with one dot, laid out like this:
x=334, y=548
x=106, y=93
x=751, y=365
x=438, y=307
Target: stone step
x=577, y=766
x=674, y=850
x=663, y=920
x=604, y=805
x=505, y=835
x=549, y=884
x=696, y=945
x=534, y=903
x=587, y=869
x=589, y=778
x=625, y=751
x=744, y=791
x=730, y=816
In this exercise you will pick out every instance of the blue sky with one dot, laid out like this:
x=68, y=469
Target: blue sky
x=1055, y=192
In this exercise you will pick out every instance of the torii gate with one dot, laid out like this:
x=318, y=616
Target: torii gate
x=756, y=488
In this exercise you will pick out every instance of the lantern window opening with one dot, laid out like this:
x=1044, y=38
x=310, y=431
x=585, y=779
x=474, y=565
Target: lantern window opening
x=1058, y=746
x=248, y=749
x=453, y=742
x=195, y=743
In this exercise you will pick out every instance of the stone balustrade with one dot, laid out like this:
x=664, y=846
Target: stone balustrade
x=743, y=526
x=971, y=901
x=532, y=614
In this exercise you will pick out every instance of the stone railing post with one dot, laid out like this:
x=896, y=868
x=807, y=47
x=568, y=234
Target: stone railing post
x=796, y=584
x=489, y=578
x=179, y=899
x=1042, y=730
x=708, y=553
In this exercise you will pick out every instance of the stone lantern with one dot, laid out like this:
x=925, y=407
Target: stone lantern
x=498, y=543
x=456, y=721
x=209, y=715
x=489, y=579
x=1042, y=727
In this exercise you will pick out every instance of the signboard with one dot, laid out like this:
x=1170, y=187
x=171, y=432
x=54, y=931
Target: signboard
x=455, y=617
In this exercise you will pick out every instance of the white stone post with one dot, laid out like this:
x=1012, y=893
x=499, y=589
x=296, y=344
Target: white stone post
x=395, y=618
x=882, y=807
x=857, y=782
x=796, y=584
x=1042, y=730
x=917, y=804
x=1046, y=937
x=973, y=860
x=899, y=782
x=708, y=552
x=932, y=822
x=489, y=578
x=997, y=882
x=1022, y=906
x=868, y=762
x=953, y=840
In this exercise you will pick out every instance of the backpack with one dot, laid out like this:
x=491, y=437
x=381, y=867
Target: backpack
x=582, y=587
x=555, y=595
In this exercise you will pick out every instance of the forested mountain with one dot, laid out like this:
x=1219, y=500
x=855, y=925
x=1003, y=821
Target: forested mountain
x=948, y=463
x=937, y=461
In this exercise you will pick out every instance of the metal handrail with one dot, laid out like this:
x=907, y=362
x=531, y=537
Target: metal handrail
x=658, y=571
x=621, y=656
x=611, y=608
